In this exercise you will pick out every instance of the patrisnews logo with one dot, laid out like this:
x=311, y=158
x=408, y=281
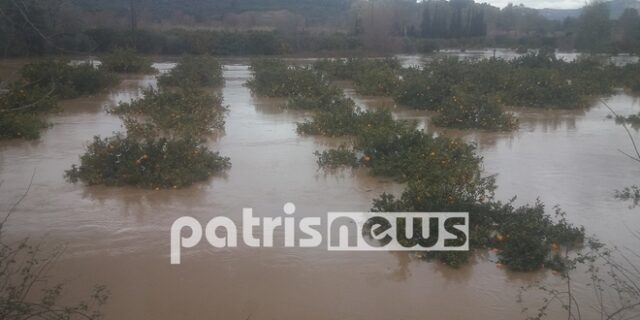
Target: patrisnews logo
x=342, y=231
x=393, y=231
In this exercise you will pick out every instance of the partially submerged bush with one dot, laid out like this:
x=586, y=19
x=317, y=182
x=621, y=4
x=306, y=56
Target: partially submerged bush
x=351, y=68
x=67, y=80
x=347, y=122
x=465, y=111
x=162, y=146
x=23, y=105
x=329, y=101
x=631, y=193
x=380, y=81
x=22, y=111
x=441, y=174
x=335, y=158
x=535, y=80
x=185, y=112
x=21, y=125
x=274, y=78
x=428, y=88
x=629, y=77
x=529, y=230
x=126, y=61
x=149, y=163
x=542, y=88
x=633, y=120
x=192, y=71
x=375, y=77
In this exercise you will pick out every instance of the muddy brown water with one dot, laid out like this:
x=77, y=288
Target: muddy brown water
x=120, y=236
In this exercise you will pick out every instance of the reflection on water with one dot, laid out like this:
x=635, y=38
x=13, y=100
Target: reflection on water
x=119, y=236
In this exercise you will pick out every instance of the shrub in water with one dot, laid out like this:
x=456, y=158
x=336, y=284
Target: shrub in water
x=329, y=101
x=335, y=158
x=149, y=163
x=21, y=125
x=465, y=111
x=185, y=112
x=348, y=122
x=162, y=146
x=68, y=81
x=350, y=68
x=427, y=89
x=542, y=88
x=22, y=110
x=375, y=77
x=194, y=71
x=273, y=78
x=629, y=77
x=126, y=61
x=380, y=81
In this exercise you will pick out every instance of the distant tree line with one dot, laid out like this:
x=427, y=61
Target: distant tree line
x=250, y=27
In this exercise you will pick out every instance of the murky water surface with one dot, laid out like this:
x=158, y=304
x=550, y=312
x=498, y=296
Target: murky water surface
x=119, y=236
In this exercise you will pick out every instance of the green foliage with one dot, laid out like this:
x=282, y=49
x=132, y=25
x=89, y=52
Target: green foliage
x=185, y=112
x=307, y=88
x=148, y=163
x=335, y=158
x=441, y=174
x=347, y=121
x=375, y=77
x=350, y=68
x=24, y=104
x=529, y=235
x=194, y=71
x=126, y=61
x=380, y=81
x=629, y=77
x=543, y=58
x=21, y=125
x=330, y=100
x=22, y=111
x=466, y=111
x=427, y=89
x=68, y=81
x=162, y=146
x=537, y=80
x=542, y=88
x=526, y=237
x=407, y=154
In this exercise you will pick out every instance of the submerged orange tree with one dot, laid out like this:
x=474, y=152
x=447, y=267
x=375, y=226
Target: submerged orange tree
x=125, y=60
x=195, y=71
x=473, y=93
x=440, y=175
x=25, y=103
x=163, y=145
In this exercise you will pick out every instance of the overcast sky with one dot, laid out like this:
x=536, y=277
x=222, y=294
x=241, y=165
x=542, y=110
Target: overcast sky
x=539, y=4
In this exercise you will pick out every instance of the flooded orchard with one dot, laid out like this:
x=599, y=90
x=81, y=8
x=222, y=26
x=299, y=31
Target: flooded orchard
x=119, y=236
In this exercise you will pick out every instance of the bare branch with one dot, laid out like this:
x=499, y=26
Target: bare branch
x=635, y=146
x=15, y=205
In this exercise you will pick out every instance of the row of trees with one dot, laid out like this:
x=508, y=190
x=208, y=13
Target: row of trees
x=41, y=26
x=592, y=31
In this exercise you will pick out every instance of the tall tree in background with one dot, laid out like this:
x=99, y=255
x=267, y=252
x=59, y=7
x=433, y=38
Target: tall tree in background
x=453, y=19
x=629, y=30
x=594, y=28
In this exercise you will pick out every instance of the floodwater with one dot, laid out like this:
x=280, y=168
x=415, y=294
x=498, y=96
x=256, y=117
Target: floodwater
x=119, y=237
